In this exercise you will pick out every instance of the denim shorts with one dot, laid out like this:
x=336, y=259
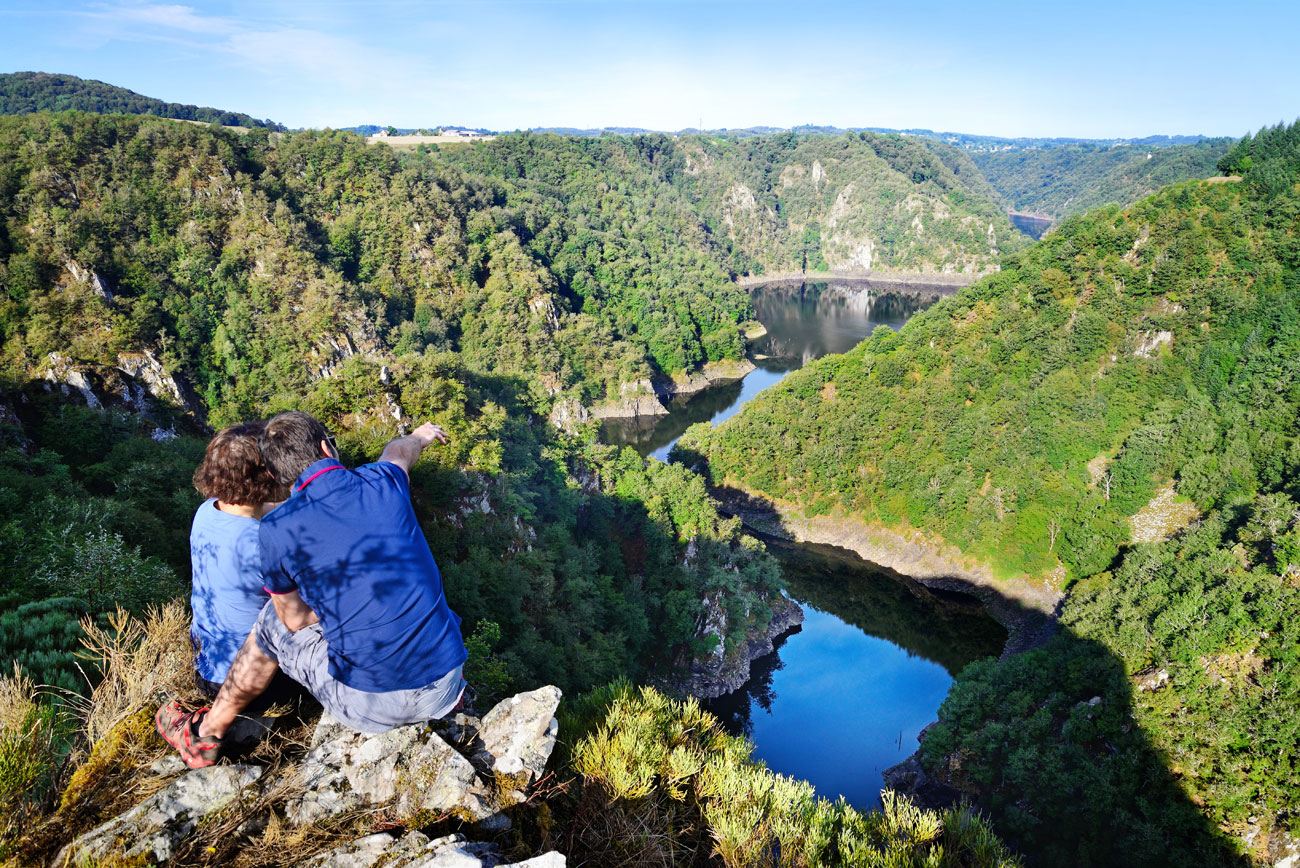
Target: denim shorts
x=304, y=657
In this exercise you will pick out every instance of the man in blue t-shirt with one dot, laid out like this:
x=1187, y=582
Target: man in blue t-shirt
x=357, y=612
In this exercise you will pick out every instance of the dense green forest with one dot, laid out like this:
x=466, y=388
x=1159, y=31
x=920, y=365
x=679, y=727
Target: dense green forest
x=849, y=202
x=318, y=273
x=160, y=277
x=26, y=92
x=1061, y=180
x=185, y=277
x=1025, y=420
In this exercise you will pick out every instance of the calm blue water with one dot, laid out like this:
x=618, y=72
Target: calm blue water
x=846, y=706
x=1034, y=227
x=803, y=323
x=767, y=374
x=844, y=698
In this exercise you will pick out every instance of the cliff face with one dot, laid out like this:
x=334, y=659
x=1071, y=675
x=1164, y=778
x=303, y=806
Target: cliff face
x=636, y=400
x=724, y=670
x=860, y=203
x=418, y=777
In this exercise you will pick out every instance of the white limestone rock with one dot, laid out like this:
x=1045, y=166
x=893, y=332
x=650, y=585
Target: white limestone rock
x=412, y=850
x=146, y=368
x=407, y=770
x=154, y=827
x=553, y=859
x=413, y=771
x=518, y=736
x=569, y=415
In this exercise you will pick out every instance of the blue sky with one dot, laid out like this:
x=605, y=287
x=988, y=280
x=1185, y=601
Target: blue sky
x=1099, y=69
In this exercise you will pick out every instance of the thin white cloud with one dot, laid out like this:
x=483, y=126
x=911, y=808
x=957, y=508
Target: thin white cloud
x=291, y=57
x=169, y=17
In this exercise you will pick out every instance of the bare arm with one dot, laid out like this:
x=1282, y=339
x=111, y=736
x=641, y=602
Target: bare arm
x=295, y=613
x=405, y=451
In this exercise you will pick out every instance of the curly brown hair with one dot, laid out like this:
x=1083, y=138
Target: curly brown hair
x=233, y=470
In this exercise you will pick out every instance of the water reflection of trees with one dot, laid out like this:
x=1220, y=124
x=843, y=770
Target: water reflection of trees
x=807, y=321
x=735, y=710
x=949, y=629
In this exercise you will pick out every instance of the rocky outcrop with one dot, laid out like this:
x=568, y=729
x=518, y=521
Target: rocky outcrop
x=354, y=335
x=911, y=780
x=144, y=368
x=135, y=381
x=413, y=772
x=712, y=374
x=407, y=771
x=155, y=827
x=569, y=415
x=517, y=736
x=465, y=769
x=637, y=400
x=417, y=850
x=645, y=400
x=91, y=279
x=59, y=371
x=725, y=671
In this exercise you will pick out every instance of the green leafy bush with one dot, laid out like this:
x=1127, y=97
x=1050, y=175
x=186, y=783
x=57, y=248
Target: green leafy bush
x=663, y=784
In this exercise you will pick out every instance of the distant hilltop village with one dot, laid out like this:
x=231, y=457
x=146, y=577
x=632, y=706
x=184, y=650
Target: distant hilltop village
x=445, y=133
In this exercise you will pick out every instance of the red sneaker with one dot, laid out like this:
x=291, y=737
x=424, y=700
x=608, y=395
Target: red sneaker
x=180, y=729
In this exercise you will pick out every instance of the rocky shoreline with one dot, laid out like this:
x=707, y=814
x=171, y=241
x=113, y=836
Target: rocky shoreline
x=1027, y=610
x=648, y=399
x=720, y=673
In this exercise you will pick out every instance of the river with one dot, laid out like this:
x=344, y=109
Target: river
x=804, y=322
x=1034, y=227
x=845, y=697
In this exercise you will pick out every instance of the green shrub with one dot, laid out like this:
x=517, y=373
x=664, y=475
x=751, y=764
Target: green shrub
x=666, y=782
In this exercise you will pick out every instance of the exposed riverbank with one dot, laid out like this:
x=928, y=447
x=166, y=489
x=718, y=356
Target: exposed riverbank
x=1026, y=608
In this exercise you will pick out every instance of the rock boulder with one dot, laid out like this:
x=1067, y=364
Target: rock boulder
x=155, y=827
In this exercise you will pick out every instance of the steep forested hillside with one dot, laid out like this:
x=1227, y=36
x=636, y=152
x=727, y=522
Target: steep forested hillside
x=26, y=92
x=232, y=277
x=262, y=263
x=156, y=275
x=851, y=202
x=1025, y=420
x=1060, y=180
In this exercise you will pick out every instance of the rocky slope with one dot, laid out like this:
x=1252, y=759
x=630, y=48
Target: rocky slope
x=415, y=777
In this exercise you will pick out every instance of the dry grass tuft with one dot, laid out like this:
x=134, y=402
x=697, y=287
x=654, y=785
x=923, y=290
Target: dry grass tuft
x=144, y=663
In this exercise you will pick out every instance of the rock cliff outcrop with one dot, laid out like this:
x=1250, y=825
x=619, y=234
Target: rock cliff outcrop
x=416, y=777
x=712, y=374
x=637, y=399
x=725, y=670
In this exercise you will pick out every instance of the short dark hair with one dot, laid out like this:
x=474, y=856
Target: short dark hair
x=290, y=442
x=233, y=471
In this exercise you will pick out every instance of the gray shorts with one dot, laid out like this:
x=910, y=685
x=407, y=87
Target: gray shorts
x=304, y=657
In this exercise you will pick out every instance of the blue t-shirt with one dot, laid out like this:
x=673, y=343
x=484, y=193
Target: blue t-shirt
x=228, y=587
x=349, y=543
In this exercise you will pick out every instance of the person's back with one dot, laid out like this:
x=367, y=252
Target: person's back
x=228, y=590
x=357, y=614
x=348, y=541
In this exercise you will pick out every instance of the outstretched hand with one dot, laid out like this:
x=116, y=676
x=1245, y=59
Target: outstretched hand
x=405, y=451
x=429, y=432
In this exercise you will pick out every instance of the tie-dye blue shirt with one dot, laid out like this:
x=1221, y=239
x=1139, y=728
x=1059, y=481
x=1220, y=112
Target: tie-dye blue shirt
x=228, y=588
